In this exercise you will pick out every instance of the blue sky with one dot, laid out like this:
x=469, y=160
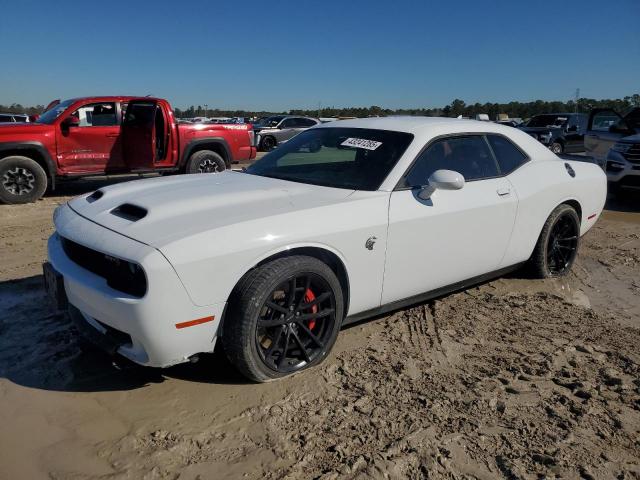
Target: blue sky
x=277, y=55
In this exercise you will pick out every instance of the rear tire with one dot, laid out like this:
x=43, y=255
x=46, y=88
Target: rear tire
x=270, y=332
x=268, y=143
x=557, y=245
x=22, y=180
x=205, y=161
x=557, y=148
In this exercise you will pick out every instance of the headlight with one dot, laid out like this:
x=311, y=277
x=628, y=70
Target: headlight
x=621, y=147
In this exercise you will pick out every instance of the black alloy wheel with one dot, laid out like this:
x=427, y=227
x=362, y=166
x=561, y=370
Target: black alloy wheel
x=283, y=317
x=562, y=244
x=268, y=143
x=296, y=323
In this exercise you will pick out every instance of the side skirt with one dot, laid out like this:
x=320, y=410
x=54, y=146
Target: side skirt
x=424, y=297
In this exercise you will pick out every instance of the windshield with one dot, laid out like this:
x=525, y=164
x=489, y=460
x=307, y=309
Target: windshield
x=50, y=115
x=351, y=158
x=548, y=121
x=269, y=121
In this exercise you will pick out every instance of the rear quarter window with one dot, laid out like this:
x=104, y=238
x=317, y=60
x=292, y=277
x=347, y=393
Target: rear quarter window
x=508, y=155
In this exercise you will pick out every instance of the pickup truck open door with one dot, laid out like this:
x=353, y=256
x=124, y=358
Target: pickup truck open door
x=145, y=135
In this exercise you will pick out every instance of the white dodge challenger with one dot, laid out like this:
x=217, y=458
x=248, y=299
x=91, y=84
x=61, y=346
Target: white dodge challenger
x=347, y=220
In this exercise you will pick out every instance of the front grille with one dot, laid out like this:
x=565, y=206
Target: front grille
x=633, y=154
x=121, y=275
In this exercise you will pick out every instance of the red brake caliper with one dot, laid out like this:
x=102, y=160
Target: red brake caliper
x=310, y=297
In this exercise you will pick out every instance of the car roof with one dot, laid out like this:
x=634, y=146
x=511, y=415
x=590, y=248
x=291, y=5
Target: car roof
x=417, y=125
x=425, y=129
x=110, y=98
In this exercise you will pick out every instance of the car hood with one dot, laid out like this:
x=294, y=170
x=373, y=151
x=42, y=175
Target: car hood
x=632, y=138
x=167, y=209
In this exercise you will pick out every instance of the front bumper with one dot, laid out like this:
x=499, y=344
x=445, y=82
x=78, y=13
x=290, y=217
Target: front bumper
x=619, y=169
x=144, y=329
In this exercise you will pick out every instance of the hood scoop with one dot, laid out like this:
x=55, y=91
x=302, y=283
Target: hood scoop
x=130, y=212
x=97, y=195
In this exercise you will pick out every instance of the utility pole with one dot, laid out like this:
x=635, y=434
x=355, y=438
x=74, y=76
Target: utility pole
x=319, y=108
x=577, y=98
x=205, y=110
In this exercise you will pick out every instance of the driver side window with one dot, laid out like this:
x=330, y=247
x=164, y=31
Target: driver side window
x=468, y=155
x=97, y=115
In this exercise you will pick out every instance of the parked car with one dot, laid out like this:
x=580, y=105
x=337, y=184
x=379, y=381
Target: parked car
x=510, y=122
x=15, y=118
x=613, y=141
x=345, y=221
x=561, y=132
x=99, y=135
x=272, y=131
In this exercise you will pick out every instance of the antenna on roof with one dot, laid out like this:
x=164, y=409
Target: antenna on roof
x=149, y=95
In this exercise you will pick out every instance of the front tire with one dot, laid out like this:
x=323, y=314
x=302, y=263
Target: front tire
x=205, y=161
x=22, y=180
x=557, y=245
x=283, y=317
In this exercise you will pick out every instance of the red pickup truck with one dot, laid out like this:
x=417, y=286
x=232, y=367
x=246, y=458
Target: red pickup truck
x=105, y=135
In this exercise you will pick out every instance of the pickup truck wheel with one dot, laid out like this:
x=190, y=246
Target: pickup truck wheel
x=556, y=147
x=22, y=180
x=267, y=143
x=283, y=317
x=205, y=161
x=557, y=245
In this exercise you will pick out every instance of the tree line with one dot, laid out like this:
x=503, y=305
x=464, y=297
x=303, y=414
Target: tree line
x=455, y=108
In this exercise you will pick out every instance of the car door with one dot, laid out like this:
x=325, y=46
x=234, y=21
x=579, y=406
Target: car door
x=89, y=138
x=455, y=235
x=288, y=128
x=139, y=134
x=603, y=131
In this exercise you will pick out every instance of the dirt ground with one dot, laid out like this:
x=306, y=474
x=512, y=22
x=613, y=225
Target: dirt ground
x=516, y=378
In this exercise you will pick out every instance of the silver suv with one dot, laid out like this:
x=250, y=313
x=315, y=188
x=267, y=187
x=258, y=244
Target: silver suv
x=272, y=131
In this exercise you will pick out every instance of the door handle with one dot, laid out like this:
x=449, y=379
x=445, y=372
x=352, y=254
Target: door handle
x=113, y=135
x=503, y=191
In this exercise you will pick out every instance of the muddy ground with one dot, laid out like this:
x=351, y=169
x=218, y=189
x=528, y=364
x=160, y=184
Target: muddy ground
x=517, y=378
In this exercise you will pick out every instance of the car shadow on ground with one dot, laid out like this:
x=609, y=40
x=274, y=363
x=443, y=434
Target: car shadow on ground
x=626, y=200
x=41, y=348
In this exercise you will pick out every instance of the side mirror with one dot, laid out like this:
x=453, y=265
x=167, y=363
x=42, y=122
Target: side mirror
x=71, y=122
x=443, y=180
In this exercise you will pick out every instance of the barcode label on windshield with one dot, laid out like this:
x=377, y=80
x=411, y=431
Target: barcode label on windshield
x=361, y=143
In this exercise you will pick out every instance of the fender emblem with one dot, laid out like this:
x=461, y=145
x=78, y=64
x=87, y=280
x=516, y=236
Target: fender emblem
x=371, y=241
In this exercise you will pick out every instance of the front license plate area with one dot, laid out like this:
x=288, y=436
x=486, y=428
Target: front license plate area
x=54, y=286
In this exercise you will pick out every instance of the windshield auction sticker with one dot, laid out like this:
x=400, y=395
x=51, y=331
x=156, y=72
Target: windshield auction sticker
x=361, y=143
